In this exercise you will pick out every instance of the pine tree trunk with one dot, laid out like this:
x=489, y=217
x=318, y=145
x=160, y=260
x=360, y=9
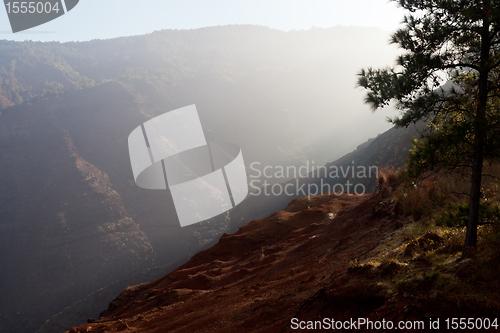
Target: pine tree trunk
x=475, y=196
x=479, y=133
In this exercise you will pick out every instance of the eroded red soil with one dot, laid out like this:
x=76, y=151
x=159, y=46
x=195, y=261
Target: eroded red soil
x=257, y=279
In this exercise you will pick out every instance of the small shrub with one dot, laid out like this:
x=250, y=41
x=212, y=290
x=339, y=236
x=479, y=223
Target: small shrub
x=420, y=199
x=387, y=182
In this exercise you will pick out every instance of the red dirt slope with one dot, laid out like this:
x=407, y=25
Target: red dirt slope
x=260, y=277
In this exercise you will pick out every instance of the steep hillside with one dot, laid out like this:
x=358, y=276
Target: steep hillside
x=333, y=257
x=392, y=256
x=257, y=278
x=387, y=149
x=87, y=129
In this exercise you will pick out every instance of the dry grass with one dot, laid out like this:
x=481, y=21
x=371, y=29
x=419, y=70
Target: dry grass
x=423, y=259
x=388, y=180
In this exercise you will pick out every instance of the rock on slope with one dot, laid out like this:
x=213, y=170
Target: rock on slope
x=260, y=277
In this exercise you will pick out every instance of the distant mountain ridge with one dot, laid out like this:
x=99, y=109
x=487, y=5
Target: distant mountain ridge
x=35, y=69
x=282, y=66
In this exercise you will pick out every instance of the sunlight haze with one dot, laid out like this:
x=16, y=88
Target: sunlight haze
x=103, y=19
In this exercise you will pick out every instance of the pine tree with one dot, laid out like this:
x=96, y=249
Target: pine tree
x=460, y=39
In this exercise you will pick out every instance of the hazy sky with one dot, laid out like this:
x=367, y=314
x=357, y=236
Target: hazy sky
x=101, y=19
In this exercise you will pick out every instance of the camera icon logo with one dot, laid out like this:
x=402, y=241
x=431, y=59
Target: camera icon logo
x=205, y=179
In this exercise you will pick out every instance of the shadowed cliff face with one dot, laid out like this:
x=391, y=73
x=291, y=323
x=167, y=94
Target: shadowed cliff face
x=65, y=230
x=71, y=217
